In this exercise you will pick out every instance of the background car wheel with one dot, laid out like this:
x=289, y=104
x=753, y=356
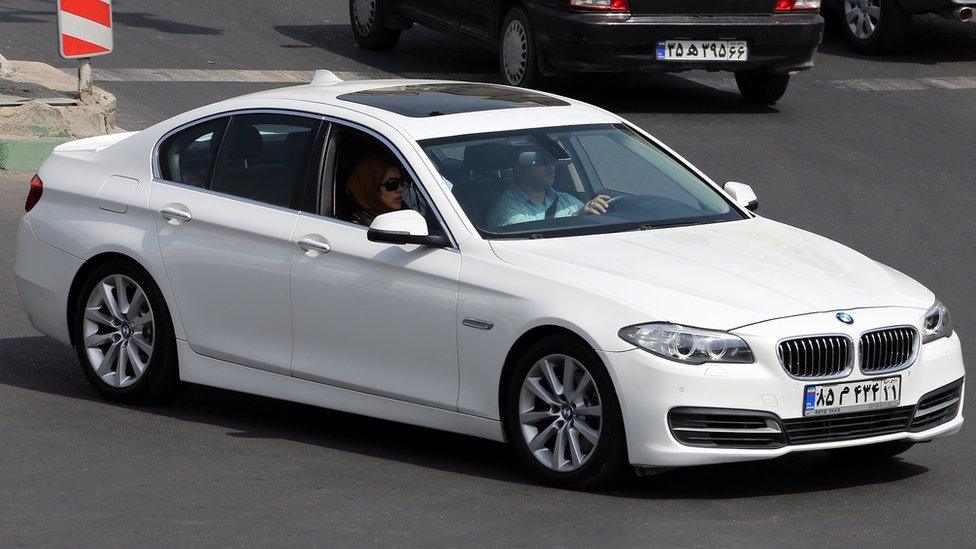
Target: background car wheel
x=563, y=416
x=761, y=86
x=874, y=26
x=518, y=54
x=367, y=18
x=124, y=335
x=873, y=452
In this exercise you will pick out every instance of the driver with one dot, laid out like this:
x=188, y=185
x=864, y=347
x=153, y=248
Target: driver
x=532, y=197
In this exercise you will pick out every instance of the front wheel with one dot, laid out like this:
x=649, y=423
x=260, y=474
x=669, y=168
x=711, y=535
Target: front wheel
x=368, y=24
x=124, y=336
x=761, y=86
x=874, y=26
x=563, y=416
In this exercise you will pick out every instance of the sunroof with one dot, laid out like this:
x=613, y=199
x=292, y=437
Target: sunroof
x=423, y=100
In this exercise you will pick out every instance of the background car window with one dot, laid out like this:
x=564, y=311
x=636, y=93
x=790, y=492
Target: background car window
x=264, y=157
x=187, y=157
x=349, y=147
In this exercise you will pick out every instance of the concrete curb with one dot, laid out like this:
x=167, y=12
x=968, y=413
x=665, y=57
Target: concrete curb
x=30, y=131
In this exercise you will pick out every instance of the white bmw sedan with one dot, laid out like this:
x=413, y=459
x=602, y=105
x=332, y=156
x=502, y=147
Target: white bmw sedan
x=486, y=260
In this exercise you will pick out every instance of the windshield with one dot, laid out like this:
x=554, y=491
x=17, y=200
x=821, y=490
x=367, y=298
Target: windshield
x=572, y=180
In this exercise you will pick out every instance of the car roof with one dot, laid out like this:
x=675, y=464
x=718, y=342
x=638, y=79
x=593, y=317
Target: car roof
x=426, y=109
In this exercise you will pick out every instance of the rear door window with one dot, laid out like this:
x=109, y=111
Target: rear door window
x=187, y=157
x=265, y=157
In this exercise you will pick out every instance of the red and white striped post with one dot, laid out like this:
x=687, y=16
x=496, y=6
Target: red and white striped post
x=84, y=31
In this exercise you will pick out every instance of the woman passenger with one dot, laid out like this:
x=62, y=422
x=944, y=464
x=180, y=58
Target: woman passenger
x=377, y=186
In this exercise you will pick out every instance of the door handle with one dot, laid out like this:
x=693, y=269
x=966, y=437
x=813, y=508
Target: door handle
x=176, y=212
x=309, y=243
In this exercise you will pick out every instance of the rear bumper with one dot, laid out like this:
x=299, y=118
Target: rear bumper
x=623, y=43
x=44, y=274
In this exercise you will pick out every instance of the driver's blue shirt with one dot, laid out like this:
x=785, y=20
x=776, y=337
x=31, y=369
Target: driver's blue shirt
x=514, y=206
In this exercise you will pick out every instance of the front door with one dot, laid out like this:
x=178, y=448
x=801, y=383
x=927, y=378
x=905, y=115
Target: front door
x=370, y=317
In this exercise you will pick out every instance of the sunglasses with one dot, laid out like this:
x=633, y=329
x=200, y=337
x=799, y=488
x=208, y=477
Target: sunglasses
x=395, y=183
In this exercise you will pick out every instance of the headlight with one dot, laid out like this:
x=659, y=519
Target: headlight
x=688, y=345
x=938, y=323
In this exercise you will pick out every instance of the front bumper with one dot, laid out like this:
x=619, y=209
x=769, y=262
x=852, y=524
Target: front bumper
x=650, y=387
x=622, y=43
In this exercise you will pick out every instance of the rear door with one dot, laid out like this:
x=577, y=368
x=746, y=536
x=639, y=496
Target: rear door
x=225, y=207
x=702, y=7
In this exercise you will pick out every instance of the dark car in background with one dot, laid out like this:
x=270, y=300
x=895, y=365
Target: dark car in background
x=881, y=26
x=762, y=41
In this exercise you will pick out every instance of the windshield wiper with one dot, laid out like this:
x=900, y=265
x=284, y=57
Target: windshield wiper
x=648, y=226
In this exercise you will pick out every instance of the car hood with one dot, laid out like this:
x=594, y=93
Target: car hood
x=721, y=275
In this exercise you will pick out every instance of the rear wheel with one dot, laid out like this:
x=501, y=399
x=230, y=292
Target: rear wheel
x=874, y=26
x=368, y=24
x=518, y=55
x=762, y=86
x=873, y=452
x=124, y=336
x=563, y=416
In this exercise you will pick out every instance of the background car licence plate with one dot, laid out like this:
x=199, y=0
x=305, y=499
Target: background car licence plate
x=837, y=398
x=703, y=50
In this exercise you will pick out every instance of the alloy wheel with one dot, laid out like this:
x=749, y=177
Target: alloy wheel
x=560, y=413
x=515, y=51
x=118, y=331
x=364, y=12
x=862, y=17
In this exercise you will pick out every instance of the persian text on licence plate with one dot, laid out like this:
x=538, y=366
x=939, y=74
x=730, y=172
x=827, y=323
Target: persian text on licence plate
x=703, y=50
x=838, y=398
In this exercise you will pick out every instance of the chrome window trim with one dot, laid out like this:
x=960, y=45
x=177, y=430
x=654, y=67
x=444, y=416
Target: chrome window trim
x=156, y=178
x=916, y=349
x=847, y=370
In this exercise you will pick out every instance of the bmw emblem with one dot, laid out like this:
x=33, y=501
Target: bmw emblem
x=845, y=318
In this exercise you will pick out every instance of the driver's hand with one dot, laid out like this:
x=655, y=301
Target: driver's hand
x=597, y=206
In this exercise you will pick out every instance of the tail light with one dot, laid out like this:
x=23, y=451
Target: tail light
x=797, y=5
x=36, y=190
x=600, y=5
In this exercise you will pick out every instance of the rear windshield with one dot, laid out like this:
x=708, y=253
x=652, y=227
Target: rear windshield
x=572, y=180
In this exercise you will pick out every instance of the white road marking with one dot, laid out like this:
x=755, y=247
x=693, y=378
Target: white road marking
x=725, y=83
x=261, y=76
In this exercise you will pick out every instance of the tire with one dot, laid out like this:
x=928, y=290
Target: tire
x=762, y=86
x=136, y=331
x=367, y=18
x=874, y=26
x=518, y=52
x=586, y=426
x=873, y=452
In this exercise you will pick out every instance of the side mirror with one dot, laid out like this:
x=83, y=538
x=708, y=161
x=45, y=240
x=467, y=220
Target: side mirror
x=403, y=227
x=743, y=195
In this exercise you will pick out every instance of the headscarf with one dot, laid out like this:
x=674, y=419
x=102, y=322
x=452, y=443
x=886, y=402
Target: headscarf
x=363, y=186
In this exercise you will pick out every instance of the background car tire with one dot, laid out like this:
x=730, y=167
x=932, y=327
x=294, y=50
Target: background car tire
x=873, y=452
x=159, y=379
x=367, y=18
x=518, y=53
x=887, y=31
x=762, y=86
x=606, y=461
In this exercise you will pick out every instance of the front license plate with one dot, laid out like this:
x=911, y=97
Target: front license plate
x=839, y=398
x=703, y=50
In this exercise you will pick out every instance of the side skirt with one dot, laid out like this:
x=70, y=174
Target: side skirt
x=196, y=368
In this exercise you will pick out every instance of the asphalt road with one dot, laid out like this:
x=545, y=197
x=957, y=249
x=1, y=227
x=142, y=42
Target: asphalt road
x=875, y=153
